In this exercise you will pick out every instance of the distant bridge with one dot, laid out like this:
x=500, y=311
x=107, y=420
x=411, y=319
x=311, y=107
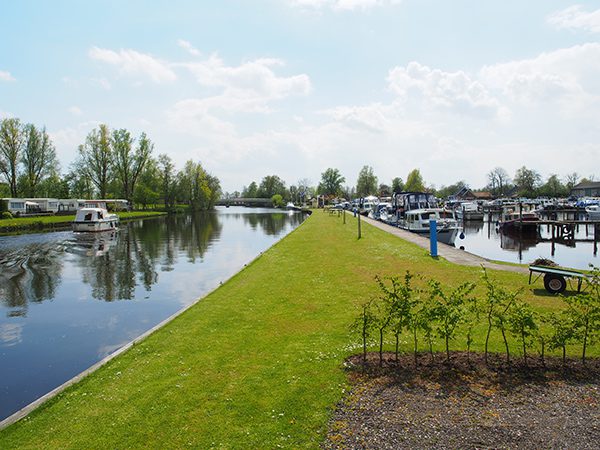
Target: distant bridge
x=239, y=201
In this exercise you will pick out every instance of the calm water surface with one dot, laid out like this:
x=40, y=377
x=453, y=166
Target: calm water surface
x=482, y=238
x=68, y=300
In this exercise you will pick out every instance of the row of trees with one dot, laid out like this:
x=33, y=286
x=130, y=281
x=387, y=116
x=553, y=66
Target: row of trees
x=438, y=312
x=109, y=164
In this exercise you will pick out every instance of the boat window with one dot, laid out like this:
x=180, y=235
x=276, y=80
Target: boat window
x=88, y=217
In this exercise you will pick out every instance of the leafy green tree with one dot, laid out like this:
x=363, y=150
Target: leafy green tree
x=277, y=201
x=148, y=186
x=331, y=182
x=522, y=323
x=95, y=158
x=414, y=181
x=129, y=162
x=271, y=185
x=448, y=309
x=364, y=325
x=38, y=159
x=584, y=310
x=564, y=331
x=251, y=191
x=367, y=182
x=497, y=303
x=12, y=141
x=554, y=187
x=527, y=182
x=198, y=188
x=384, y=190
x=168, y=180
x=397, y=185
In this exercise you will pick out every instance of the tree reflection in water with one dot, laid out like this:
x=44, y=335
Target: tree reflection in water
x=115, y=264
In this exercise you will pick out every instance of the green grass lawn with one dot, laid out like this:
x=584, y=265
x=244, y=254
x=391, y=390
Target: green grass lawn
x=40, y=222
x=258, y=363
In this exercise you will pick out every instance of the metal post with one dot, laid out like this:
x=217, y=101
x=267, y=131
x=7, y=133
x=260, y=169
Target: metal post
x=359, y=225
x=433, y=237
x=344, y=213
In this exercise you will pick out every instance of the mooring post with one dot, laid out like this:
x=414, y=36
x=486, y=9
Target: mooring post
x=433, y=237
x=359, y=225
x=344, y=213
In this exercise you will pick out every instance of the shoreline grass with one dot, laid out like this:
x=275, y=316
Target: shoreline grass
x=258, y=363
x=33, y=224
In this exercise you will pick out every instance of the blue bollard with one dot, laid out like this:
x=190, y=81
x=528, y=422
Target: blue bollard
x=433, y=237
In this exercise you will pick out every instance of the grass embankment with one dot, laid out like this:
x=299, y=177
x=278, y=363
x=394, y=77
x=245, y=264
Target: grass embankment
x=44, y=222
x=258, y=363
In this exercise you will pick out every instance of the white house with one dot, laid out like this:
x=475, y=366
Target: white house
x=20, y=206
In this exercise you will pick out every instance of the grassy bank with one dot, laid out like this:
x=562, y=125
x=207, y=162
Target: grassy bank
x=45, y=222
x=256, y=364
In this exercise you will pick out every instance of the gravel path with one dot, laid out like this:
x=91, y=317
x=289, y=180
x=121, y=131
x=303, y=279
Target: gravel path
x=468, y=405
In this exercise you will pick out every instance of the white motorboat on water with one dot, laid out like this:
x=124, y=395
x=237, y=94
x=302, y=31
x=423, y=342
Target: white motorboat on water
x=468, y=211
x=94, y=218
x=593, y=212
x=417, y=221
x=291, y=207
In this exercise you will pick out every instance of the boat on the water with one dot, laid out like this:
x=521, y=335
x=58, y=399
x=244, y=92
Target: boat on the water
x=418, y=220
x=593, y=212
x=518, y=221
x=95, y=217
x=468, y=211
x=291, y=207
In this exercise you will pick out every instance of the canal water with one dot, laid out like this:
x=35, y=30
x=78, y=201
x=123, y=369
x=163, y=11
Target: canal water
x=68, y=300
x=484, y=239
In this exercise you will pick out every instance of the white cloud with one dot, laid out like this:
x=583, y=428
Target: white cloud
x=570, y=76
x=375, y=118
x=188, y=47
x=342, y=5
x=6, y=76
x=575, y=18
x=454, y=91
x=75, y=110
x=68, y=139
x=133, y=63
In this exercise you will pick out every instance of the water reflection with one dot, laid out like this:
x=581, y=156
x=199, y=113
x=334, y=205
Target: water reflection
x=484, y=239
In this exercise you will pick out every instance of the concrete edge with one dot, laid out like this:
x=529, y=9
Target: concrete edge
x=26, y=410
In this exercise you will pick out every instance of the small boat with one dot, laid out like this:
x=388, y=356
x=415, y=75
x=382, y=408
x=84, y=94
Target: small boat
x=526, y=222
x=593, y=212
x=95, y=219
x=291, y=207
x=469, y=211
x=417, y=221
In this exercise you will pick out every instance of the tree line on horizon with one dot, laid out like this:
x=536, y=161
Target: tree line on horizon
x=525, y=183
x=109, y=164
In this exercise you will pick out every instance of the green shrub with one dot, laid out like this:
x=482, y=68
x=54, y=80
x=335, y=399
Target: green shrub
x=7, y=215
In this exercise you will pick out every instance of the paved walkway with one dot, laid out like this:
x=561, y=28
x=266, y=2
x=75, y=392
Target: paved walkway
x=448, y=252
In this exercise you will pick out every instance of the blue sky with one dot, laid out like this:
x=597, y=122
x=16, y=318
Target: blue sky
x=291, y=87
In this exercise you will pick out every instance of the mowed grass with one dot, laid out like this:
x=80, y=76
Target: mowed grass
x=23, y=223
x=258, y=363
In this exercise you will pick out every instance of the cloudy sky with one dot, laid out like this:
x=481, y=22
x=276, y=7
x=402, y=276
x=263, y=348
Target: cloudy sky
x=292, y=87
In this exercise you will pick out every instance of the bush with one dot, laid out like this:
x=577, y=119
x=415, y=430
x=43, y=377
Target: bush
x=7, y=215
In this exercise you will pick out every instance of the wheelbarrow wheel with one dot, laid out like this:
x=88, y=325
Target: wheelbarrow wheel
x=555, y=284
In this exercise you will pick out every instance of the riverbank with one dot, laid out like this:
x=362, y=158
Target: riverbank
x=256, y=364
x=34, y=224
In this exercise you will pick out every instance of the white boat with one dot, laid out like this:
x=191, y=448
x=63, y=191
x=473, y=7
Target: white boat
x=469, y=211
x=291, y=207
x=95, y=219
x=593, y=212
x=417, y=221
x=368, y=204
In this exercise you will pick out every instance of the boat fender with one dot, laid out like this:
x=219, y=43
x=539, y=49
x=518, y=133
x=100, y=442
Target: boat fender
x=462, y=236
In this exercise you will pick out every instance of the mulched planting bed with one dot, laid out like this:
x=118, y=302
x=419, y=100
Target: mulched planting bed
x=468, y=404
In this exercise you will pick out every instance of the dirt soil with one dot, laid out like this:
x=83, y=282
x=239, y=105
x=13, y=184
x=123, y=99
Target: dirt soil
x=468, y=404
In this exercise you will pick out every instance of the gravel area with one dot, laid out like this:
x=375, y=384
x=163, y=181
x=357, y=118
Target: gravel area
x=467, y=404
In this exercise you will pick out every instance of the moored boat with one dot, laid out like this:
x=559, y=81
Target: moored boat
x=418, y=220
x=94, y=219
